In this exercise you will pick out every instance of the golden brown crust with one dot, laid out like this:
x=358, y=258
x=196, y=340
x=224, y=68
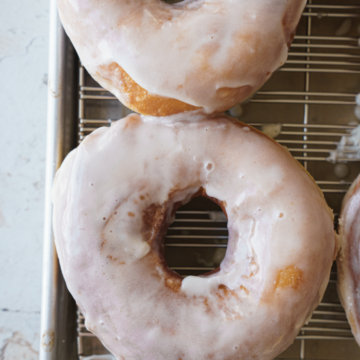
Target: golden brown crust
x=137, y=98
x=290, y=277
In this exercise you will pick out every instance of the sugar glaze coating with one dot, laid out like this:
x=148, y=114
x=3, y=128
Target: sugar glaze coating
x=195, y=54
x=113, y=199
x=348, y=261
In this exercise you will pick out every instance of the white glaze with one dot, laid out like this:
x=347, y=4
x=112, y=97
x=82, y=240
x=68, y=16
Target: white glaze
x=207, y=45
x=236, y=111
x=357, y=112
x=357, y=99
x=272, y=130
x=277, y=218
x=348, y=147
x=348, y=261
x=341, y=170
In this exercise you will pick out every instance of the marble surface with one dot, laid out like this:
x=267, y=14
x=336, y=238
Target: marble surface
x=23, y=102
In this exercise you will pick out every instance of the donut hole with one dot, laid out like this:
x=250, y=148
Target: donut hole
x=196, y=242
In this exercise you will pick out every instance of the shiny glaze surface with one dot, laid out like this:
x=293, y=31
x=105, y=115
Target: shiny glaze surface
x=114, y=197
x=209, y=54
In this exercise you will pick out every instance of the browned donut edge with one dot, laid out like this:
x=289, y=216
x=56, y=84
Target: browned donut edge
x=137, y=98
x=141, y=101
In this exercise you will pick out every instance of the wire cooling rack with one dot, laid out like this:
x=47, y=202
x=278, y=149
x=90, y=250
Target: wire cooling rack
x=312, y=101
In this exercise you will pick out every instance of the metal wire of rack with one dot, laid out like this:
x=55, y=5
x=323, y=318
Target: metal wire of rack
x=302, y=95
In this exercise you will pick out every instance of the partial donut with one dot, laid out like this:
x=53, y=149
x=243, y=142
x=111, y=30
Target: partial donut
x=114, y=197
x=348, y=261
x=161, y=59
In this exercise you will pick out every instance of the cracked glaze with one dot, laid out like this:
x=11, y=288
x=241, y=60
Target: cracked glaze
x=209, y=54
x=348, y=261
x=114, y=197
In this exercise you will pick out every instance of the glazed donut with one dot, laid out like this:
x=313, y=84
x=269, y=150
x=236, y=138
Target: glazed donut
x=161, y=59
x=348, y=261
x=114, y=197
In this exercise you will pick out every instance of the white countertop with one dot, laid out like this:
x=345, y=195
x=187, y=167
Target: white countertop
x=23, y=102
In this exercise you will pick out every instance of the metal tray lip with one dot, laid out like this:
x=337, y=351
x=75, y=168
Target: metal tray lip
x=56, y=302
